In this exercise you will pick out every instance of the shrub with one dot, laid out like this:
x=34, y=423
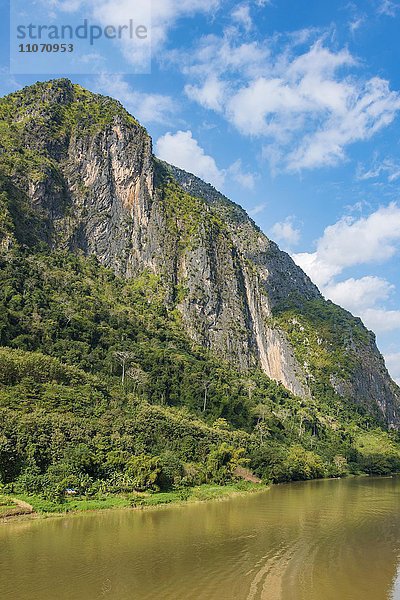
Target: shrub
x=171, y=471
x=377, y=453
x=300, y=464
x=143, y=472
x=222, y=462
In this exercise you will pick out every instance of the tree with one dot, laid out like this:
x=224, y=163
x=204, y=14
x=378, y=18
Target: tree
x=206, y=385
x=138, y=376
x=124, y=358
x=222, y=463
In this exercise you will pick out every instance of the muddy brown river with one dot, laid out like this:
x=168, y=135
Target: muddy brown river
x=322, y=540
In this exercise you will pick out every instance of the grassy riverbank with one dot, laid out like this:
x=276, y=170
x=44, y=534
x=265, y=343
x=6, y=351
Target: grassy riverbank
x=202, y=493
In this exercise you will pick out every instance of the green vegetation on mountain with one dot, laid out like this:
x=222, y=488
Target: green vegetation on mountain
x=324, y=337
x=180, y=417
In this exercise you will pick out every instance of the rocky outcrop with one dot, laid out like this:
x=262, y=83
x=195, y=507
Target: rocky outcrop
x=371, y=384
x=97, y=188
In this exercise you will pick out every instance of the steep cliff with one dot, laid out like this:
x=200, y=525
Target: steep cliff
x=78, y=173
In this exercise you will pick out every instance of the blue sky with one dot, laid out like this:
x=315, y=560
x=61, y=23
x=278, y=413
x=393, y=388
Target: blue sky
x=291, y=108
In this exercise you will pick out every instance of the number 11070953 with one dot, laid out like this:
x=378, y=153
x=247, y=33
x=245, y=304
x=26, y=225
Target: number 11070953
x=46, y=48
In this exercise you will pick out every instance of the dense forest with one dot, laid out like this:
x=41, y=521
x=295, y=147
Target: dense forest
x=101, y=391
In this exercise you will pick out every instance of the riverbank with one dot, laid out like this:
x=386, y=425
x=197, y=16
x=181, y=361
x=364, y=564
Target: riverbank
x=41, y=508
x=13, y=507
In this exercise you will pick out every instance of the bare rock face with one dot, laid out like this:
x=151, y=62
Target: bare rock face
x=97, y=188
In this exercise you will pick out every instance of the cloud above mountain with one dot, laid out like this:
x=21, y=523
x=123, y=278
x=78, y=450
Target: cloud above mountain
x=351, y=242
x=306, y=108
x=184, y=151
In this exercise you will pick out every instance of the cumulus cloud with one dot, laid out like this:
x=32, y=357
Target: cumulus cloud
x=244, y=179
x=286, y=232
x=148, y=108
x=210, y=94
x=374, y=107
x=183, y=151
x=320, y=271
x=393, y=365
x=307, y=108
x=351, y=242
x=359, y=294
x=332, y=114
x=241, y=15
x=164, y=16
x=223, y=56
x=380, y=320
x=363, y=298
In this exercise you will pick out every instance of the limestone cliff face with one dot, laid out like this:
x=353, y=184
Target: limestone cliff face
x=264, y=277
x=97, y=188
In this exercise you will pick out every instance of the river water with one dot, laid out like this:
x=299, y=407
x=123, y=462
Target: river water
x=322, y=540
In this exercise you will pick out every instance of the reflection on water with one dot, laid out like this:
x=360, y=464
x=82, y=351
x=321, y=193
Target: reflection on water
x=324, y=540
x=396, y=587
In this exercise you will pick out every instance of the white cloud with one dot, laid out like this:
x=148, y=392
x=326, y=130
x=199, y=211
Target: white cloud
x=256, y=210
x=351, y=242
x=388, y=8
x=320, y=271
x=249, y=107
x=358, y=294
x=245, y=180
x=241, y=15
x=221, y=56
x=164, y=16
x=393, y=365
x=363, y=298
x=286, y=232
x=356, y=24
x=210, y=94
x=183, y=151
x=394, y=173
x=363, y=112
x=380, y=320
x=307, y=108
x=304, y=88
x=147, y=108
x=387, y=166
x=365, y=174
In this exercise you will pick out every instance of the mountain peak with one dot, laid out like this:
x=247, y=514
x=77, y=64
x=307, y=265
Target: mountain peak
x=60, y=104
